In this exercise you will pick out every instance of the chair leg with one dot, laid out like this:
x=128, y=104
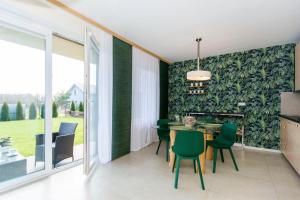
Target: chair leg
x=194, y=163
x=167, y=150
x=233, y=159
x=222, y=156
x=177, y=171
x=174, y=163
x=215, y=159
x=158, y=147
x=200, y=173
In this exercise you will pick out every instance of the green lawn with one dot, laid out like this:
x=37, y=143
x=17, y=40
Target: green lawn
x=23, y=132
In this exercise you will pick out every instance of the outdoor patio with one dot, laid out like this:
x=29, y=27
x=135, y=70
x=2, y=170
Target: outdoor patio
x=78, y=154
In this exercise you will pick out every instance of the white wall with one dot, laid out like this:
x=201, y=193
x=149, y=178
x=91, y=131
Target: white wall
x=290, y=103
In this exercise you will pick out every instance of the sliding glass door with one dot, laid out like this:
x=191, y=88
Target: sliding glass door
x=45, y=110
x=91, y=102
x=25, y=128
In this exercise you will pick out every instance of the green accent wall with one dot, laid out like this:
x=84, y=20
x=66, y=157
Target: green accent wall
x=164, y=85
x=256, y=77
x=122, y=92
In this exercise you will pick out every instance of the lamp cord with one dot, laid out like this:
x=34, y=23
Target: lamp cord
x=198, y=40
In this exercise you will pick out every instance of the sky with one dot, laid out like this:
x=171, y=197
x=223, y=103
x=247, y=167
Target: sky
x=22, y=70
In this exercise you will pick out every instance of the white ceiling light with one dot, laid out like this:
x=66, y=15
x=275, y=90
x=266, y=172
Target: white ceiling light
x=198, y=75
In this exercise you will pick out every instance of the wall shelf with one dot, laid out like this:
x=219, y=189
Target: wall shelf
x=196, y=93
x=203, y=86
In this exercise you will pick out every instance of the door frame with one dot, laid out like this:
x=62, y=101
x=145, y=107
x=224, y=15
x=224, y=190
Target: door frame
x=90, y=42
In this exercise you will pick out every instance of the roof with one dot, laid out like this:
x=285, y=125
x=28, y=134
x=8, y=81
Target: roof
x=80, y=87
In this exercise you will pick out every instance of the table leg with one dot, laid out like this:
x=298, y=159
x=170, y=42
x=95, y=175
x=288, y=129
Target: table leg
x=243, y=136
x=171, y=153
x=209, y=152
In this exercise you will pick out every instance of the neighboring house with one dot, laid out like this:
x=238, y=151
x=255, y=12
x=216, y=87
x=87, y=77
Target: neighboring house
x=76, y=93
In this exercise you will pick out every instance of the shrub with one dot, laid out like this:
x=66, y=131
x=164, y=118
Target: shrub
x=54, y=110
x=5, y=112
x=73, y=106
x=81, y=109
x=43, y=111
x=32, y=111
x=19, y=111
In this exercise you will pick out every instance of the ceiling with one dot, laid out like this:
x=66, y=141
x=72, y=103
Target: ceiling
x=169, y=27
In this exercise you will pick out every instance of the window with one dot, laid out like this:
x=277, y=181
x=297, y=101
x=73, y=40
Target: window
x=22, y=102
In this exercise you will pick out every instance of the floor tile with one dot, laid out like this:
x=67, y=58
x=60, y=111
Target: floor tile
x=145, y=175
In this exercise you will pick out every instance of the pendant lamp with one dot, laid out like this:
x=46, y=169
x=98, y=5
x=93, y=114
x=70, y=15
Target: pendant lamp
x=198, y=75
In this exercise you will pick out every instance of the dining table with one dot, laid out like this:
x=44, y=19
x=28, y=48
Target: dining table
x=206, y=128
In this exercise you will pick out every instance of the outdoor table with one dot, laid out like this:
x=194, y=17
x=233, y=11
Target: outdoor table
x=12, y=166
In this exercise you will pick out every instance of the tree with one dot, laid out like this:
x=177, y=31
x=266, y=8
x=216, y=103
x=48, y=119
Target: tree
x=5, y=112
x=32, y=111
x=19, y=111
x=80, y=108
x=43, y=111
x=54, y=110
x=61, y=99
x=73, y=106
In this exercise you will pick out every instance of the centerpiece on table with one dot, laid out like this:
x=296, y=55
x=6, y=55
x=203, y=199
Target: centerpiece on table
x=189, y=121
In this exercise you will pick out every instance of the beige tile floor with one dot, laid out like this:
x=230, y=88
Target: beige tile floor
x=143, y=175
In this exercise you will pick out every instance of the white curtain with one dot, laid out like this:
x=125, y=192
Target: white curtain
x=145, y=99
x=105, y=97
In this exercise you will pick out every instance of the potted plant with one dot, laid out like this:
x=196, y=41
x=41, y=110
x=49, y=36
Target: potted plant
x=5, y=143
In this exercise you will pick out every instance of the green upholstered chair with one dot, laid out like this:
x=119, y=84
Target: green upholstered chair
x=188, y=145
x=224, y=140
x=163, y=133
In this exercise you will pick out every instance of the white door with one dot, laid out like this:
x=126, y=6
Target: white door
x=91, y=102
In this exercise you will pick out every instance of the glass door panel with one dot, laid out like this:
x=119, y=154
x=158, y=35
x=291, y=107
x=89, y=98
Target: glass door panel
x=67, y=99
x=91, y=102
x=22, y=102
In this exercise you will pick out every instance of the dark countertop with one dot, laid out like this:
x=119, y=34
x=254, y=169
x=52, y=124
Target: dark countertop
x=295, y=118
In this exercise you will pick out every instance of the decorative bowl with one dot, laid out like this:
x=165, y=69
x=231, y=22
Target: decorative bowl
x=189, y=121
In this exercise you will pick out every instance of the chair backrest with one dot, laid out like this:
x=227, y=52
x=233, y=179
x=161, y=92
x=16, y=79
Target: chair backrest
x=163, y=132
x=163, y=123
x=67, y=128
x=189, y=143
x=64, y=147
x=228, y=132
x=163, y=129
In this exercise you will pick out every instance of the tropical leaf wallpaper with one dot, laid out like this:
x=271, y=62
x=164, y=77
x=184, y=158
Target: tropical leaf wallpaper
x=255, y=77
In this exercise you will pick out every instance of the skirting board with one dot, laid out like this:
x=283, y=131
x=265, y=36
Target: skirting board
x=257, y=148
